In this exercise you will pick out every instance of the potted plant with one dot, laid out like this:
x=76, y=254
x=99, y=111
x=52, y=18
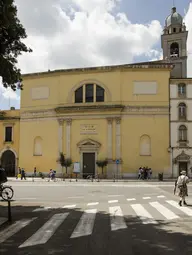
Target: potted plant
x=102, y=164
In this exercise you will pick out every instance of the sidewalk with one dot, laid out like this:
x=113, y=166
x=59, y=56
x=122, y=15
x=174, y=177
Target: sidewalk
x=36, y=179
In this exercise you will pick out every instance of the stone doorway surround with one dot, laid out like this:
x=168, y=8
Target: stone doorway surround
x=88, y=145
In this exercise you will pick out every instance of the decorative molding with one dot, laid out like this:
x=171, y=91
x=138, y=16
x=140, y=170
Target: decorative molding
x=40, y=113
x=88, y=145
x=118, y=120
x=147, y=109
x=61, y=121
x=9, y=124
x=68, y=121
x=109, y=120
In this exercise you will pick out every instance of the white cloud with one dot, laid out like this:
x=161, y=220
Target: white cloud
x=79, y=33
x=8, y=97
x=188, y=21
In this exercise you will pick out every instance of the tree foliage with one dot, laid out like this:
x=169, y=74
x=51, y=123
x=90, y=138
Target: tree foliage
x=64, y=162
x=11, y=46
x=102, y=164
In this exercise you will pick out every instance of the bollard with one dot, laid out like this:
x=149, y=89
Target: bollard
x=76, y=177
x=9, y=211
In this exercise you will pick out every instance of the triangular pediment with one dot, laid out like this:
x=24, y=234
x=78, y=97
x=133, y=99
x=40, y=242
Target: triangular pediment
x=183, y=157
x=88, y=142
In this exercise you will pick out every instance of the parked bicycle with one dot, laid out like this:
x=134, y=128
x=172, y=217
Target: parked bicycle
x=6, y=192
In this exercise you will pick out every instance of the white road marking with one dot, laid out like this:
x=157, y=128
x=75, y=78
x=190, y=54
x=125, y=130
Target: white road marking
x=86, y=223
x=76, y=197
x=69, y=206
x=146, y=198
x=112, y=201
x=115, y=195
x=14, y=228
x=161, y=196
x=94, y=203
x=143, y=214
x=46, y=231
x=168, y=214
x=41, y=209
x=186, y=210
x=27, y=198
x=2, y=220
x=131, y=199
x=117, y=220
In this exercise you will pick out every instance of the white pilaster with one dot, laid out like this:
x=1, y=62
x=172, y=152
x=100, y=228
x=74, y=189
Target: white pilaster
x=109, y=138
x=68, y=138
x=60, y=141
x=60, y=135
x=118, y=138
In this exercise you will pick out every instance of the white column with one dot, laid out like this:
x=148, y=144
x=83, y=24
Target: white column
x=68, y=138
x=60, y=141
x=118, y=138
x=60, y=135
x=109, y=138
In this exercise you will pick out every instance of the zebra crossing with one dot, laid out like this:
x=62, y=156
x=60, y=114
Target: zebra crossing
x=148, y=213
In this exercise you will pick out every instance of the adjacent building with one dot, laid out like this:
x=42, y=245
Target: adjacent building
x=174, y=45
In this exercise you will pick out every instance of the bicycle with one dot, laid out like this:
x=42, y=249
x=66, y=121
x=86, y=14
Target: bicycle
x=6, y=192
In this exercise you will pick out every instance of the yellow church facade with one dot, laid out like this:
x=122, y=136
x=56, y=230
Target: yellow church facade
x=118, y=113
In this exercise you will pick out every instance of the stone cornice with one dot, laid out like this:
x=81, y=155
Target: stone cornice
x=80, y=112
x=144, y=66
x=76, y=109
x=176, y=81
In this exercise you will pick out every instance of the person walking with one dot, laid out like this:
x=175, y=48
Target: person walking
x=35, y=171
x=182, y=182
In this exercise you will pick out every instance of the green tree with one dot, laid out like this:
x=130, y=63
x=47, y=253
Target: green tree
x=102, y=164
x=11, y=46
x=64, y=162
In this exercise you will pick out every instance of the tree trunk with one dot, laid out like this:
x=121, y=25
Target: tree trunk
x=102, y=170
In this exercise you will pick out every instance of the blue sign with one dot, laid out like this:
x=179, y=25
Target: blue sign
x=117, y=161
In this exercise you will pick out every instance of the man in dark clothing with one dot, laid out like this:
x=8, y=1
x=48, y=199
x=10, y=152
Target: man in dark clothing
x=3, y=176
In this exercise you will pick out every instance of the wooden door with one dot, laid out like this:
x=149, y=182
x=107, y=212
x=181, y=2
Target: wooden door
x=88, y=164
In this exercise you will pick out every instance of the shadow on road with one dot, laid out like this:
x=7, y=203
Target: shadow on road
x=163, y=238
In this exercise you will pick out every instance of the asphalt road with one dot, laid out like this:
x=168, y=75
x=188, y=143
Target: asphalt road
x=97, y=219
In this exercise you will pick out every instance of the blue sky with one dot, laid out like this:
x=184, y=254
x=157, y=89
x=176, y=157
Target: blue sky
x=80, y=33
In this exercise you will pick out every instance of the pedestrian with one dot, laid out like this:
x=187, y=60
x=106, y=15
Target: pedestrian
x=182, y=182
x=35, y=171
x=23, y=174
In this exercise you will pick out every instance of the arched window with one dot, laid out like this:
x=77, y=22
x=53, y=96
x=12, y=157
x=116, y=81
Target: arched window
x=145, y=146
x=182, y=90
x=182, y=111
x=89, y=93
x=174, y=50
x=100, y=94
x=37, y=148
x=182, y=133
x=79, y=95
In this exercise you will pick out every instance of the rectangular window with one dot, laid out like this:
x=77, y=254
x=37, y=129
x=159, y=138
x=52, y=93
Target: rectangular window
x=8, y=134
x=89, y=93
x=79, y=95
x=99, y=94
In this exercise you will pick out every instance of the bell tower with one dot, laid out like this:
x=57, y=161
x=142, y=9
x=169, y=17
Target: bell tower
x=174, y=44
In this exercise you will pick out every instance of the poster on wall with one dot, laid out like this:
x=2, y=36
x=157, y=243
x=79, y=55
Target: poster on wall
x=76, y=168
